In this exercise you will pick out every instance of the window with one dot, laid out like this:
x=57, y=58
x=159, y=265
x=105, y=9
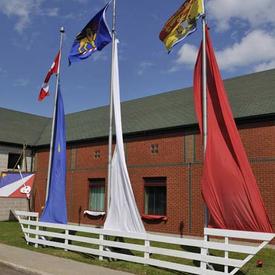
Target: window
x=97, y=194
x=97, y=154
x=14, y=160
x=154, y=148
x=155, y=196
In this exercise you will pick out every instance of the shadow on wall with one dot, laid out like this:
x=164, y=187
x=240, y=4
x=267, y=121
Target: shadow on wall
x=12, y=216
x=79, y=214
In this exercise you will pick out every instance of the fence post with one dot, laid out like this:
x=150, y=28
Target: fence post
x=101, y=239
x=66, y=242
x=226, y=242
x=28, y=235
x=147, y=249
x=204, y=252
x=36, y=235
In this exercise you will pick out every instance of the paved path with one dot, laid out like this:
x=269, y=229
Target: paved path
x=7, y=270
x=43, y=264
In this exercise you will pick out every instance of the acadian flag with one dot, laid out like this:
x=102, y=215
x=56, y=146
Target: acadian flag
x=94, y=37
x=182, y=23
x=55, y=210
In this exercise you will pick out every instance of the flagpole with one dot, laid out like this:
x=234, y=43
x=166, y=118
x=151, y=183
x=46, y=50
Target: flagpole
x=204, y=100
x=62, y=31
x=205, y=128
x=111, y=109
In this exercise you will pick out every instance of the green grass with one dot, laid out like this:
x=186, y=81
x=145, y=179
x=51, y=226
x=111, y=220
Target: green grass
x=11, y=234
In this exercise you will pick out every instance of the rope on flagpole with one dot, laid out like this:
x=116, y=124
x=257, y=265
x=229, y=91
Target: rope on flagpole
x=62, y=31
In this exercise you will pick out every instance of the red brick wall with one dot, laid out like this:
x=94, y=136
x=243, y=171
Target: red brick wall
x=85, y=156
x=259, y=141
x=179, y=159
x=170, y=150
x=177, y=196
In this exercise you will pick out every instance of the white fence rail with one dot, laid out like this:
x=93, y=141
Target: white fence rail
x=147, y=248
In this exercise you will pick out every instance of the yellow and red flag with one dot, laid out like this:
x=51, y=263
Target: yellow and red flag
x=182, y=23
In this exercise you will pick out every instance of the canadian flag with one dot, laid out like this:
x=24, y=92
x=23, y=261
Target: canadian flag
x=53, y=70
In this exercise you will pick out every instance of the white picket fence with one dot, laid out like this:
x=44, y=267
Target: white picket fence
x=147, y=248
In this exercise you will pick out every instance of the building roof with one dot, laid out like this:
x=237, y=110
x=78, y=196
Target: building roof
x=21, y=128
x=249, y=95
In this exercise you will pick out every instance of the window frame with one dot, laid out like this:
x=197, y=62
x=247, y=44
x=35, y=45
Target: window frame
x=154, y=182
x=92, y=184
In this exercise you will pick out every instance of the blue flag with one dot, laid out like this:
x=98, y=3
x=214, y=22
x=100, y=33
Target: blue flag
x=94, y=37
x=55, y=210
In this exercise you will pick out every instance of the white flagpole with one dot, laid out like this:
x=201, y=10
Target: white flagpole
x=62, y=31
x=204, y=98
x=111, y=109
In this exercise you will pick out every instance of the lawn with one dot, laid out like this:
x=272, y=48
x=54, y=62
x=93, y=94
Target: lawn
x=10, y=234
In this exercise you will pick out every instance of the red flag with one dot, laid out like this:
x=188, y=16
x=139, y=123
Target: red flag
x=53, y=70
x=229, y=187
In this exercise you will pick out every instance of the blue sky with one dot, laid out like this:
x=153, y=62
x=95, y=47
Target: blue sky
x=243, y=37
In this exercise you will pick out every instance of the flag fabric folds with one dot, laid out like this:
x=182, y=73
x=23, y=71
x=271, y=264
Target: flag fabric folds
x=53, y=70
x=123, y=214
x=55, y=210
x=94, y=37
x=182, y=23
x=229, y=187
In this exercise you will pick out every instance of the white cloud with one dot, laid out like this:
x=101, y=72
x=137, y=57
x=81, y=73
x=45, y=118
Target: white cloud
x=187, y=54
x=23, y=9
x=49, y=12
x=265, y=66
x=256, y=49
x=255, y=12
x=144, y=66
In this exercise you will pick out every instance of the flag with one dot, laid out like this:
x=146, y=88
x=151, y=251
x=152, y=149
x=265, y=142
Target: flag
x=53, y=70
x=94, y=37
x=182, y=23
x=123, y=214
x=55, y=209
x=13, y=186
x=229, y=187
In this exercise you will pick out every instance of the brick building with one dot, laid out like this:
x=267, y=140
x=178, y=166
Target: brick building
x=163, y=153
